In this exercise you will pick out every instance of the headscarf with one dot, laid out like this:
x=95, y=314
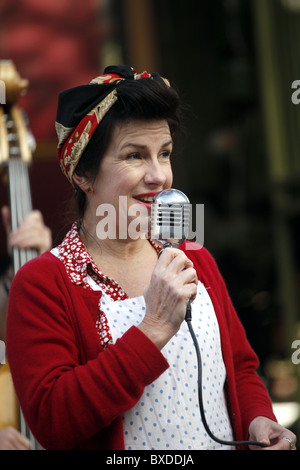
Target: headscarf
x=82, y=108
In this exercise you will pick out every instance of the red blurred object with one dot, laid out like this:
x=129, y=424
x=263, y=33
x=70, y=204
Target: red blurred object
x=55, y=44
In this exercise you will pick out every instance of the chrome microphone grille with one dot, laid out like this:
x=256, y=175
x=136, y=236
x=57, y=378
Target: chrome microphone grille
x=170, y=216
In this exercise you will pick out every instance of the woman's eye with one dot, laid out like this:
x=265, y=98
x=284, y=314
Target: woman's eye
x=133, y=156
x=166, y=154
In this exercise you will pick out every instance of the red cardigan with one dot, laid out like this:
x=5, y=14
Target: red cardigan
x=73, y=393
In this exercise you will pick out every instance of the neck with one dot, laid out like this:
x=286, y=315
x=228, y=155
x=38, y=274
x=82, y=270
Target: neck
x=123, y=249
x=129, y=262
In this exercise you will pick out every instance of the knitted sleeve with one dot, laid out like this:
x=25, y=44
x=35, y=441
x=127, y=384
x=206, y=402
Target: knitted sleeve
x=69, y=391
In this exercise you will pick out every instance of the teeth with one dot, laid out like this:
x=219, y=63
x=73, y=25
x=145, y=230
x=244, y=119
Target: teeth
x=146, y=199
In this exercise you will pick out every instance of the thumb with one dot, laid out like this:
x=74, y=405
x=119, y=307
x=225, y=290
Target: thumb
x=259, y=432
x=265, y=441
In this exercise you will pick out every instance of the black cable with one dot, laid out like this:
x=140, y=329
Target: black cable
x=188, y=319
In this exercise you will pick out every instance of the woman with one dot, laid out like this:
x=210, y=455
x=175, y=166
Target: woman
x=107, y=360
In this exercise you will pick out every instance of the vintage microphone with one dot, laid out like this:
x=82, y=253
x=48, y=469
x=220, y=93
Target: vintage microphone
x=169, y=224
x=170, y=218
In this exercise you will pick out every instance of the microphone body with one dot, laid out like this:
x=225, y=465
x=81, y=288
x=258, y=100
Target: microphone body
x=170, y=221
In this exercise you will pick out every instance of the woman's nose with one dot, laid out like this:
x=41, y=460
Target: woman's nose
x=155, y=174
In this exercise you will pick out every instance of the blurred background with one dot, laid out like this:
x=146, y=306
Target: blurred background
x=233, y=62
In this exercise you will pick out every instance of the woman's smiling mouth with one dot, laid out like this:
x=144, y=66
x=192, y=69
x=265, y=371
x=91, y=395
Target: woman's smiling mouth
x=146, y=198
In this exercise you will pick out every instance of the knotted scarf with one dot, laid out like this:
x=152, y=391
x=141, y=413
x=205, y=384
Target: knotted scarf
x=82, y=108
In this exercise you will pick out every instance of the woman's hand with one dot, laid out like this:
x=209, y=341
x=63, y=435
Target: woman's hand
x=11, y=439
x=173, y=283
x=31, y=233
x=275, y=436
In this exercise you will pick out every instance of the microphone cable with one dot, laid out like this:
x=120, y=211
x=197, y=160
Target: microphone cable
x=188, y=319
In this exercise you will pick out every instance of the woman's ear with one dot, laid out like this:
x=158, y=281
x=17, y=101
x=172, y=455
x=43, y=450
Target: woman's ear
x=79, y=180
x=83, y=183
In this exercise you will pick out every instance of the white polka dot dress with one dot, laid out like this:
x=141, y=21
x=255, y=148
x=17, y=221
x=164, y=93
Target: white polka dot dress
x=167, y=415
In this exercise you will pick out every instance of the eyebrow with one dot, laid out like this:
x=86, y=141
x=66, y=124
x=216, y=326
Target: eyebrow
x=142, y=147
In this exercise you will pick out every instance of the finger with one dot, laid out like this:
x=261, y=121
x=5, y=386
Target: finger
x=22, y=443
x=11, y=439
x=167, y=255
x=25, y=238
x=190, y=292
x=33, y=219
x=280, y=444
x=284, y=443
x=30, y=227
x=175, y=260
x=40, y=240
x=266, y=443
x=188, y=277
x=181, y=262
x=32, y=233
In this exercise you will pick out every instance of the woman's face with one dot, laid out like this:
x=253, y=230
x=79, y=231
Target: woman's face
x=135, y=166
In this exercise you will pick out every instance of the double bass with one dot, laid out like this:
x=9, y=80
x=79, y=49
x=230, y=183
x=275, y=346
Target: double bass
x=16, y=147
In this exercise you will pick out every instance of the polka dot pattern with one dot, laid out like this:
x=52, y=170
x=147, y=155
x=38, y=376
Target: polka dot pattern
x=167, y=416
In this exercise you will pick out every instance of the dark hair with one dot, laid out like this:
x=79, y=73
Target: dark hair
x=143, y=99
